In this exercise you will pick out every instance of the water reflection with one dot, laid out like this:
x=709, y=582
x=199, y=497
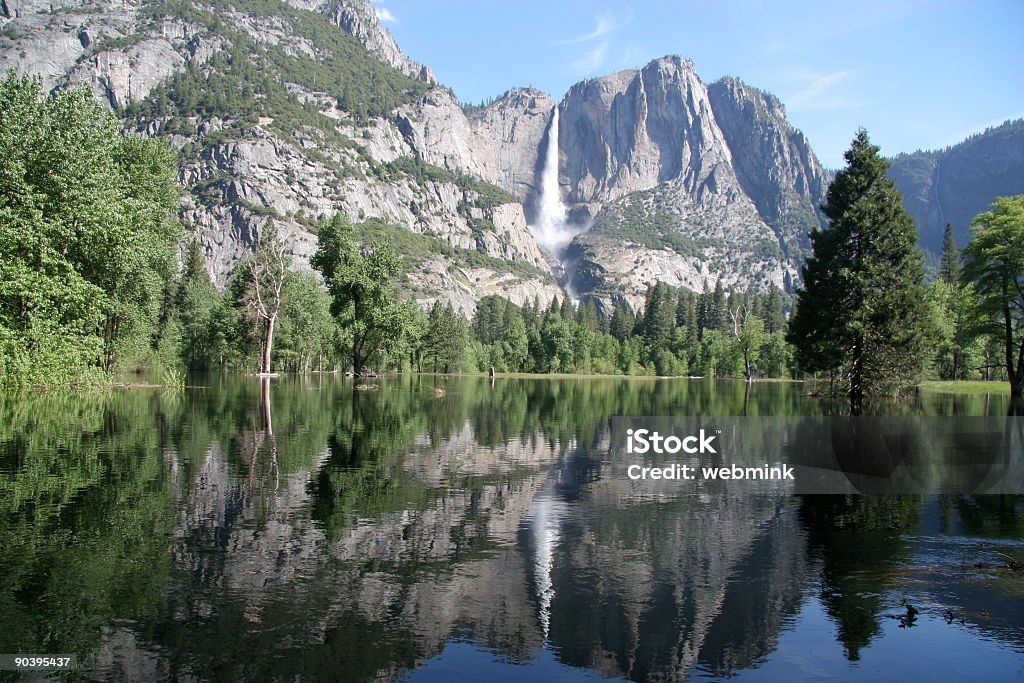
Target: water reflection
x=299, y=529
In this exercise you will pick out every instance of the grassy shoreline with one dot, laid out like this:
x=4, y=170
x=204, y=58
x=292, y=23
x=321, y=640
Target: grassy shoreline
x=964, y=387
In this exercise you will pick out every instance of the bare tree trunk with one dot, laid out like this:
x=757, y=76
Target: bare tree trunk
x=265, y=400
x=268, y=341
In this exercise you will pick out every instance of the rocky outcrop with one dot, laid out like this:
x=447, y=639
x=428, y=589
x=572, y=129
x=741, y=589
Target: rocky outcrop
x=677, y=192
x=773, y=161
x=437, y=128
x=239, y=173
x=515, y=125
x=359, y=20
x=634, y=129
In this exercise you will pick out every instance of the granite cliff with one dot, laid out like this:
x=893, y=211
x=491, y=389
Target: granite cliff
x=293, y=110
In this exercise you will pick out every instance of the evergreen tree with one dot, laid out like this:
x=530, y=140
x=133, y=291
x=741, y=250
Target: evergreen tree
x=659, y=317
x=621, y=325
x=445, y=340
x=773, y=315
x=717, y=316
x=950, y=268
x=862, y=309
x=567, y=311
x=194, y=305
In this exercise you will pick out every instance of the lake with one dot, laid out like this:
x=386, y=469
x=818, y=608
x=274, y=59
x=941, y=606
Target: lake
x=426, y=529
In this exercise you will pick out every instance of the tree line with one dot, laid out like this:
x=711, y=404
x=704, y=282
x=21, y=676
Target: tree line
x=90, y=283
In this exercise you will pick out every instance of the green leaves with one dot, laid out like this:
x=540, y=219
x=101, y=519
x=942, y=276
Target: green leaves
x=87, y=235
x=995, y=265
x=363, y=294
x=861, y=313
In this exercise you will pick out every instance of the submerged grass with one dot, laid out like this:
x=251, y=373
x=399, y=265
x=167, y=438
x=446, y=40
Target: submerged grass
x=965, y=387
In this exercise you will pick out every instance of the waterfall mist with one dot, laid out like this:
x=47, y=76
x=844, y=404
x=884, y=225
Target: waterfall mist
x=551, y=229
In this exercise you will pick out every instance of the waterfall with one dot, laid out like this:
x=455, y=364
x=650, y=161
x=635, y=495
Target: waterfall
x=551, y=229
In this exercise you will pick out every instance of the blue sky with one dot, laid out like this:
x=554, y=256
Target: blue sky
x=916, y=74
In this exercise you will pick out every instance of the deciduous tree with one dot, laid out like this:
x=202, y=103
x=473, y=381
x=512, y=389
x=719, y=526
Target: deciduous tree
x=995, y=265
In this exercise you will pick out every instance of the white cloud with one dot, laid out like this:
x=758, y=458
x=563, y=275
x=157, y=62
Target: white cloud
x=385, y=15
x=821, y=94
x=591, y=60
x=596, y=42
x=605, y=24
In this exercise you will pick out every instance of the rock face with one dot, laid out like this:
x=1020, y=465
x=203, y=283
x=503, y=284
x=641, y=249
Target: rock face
x=515, y=124
x=468, y=238
x=684, y=182
x=358, y=19
x=634, y=129
x=681, y=181
x=956, y=184
x=773, y=161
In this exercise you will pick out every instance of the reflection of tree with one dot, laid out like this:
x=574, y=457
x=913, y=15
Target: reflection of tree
x=989, y=516
x=85, y=516
x=219, y=486
x=363, y=472
x=858, y=541
x=257, y=448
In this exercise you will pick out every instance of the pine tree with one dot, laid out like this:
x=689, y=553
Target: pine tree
x=567, y=311
x=703, y=308
x=717, y=314
x=862, y=309
x=773, y=316
x=950, y=268
x=621, y=325
x=659, y=317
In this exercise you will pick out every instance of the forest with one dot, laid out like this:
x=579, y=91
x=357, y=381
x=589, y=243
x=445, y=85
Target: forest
x=99, y=280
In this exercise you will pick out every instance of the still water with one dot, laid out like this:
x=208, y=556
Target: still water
x=298, y=530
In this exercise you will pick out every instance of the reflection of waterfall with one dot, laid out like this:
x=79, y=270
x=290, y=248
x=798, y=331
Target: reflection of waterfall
x=551, y=229
x=547, y=512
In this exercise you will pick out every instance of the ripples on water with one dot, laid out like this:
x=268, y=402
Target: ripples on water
x=330, y=535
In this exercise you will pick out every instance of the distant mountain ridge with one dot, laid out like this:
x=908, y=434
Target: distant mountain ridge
x=957, y=183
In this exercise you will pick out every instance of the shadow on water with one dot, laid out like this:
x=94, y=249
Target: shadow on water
x=295, y=528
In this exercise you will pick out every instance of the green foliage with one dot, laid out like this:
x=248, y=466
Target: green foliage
x=251, y=78
x=637, y=219
x=87, y=234
x=861, y=313
x=363, y=296
x=660, y=342
x=415, y=248
x=949, y=270
x=995, y=266
x=444, y=345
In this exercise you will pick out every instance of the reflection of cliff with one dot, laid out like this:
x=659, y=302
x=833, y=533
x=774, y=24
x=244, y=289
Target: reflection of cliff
x=250, y=562
x=511, y=545
x=360, y=536
x=646, y=588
